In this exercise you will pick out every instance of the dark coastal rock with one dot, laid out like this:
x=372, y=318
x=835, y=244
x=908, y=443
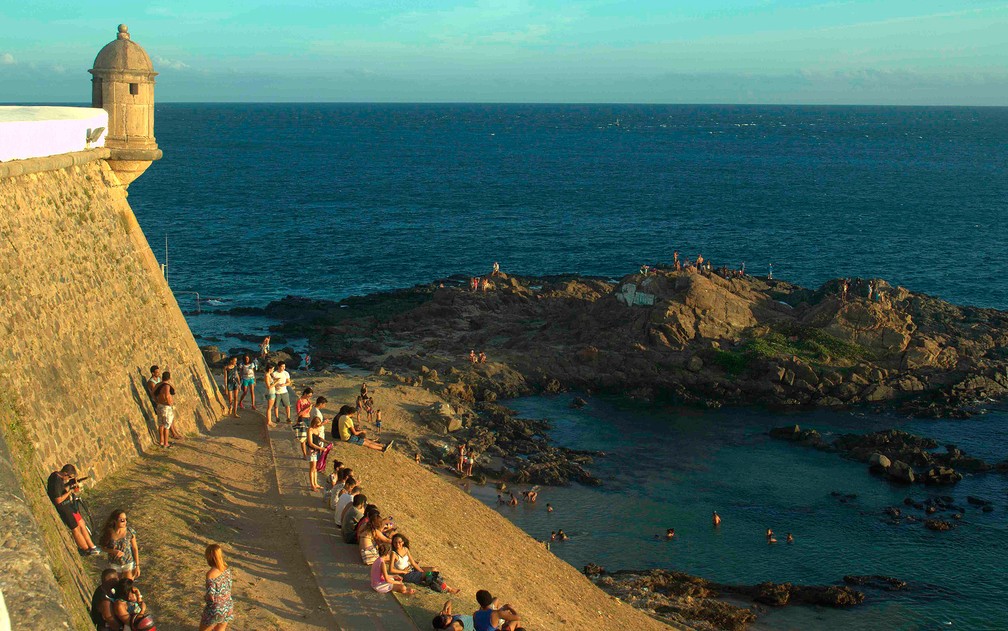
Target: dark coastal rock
x=902, y=457
x=699, y=338
x=937, y=525
x=976, y=501
x=876, y=581
x=684, y=600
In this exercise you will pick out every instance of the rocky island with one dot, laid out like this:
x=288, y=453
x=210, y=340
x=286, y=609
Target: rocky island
x=687, y=336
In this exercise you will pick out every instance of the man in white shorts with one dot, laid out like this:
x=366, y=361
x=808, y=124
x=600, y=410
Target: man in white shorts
x=164, y=400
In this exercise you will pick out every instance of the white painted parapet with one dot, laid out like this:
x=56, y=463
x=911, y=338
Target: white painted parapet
x=35, y=132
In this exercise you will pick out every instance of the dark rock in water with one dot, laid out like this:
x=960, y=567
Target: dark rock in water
x=987, y=508
x=937, y=525
x=877, y=581
x=773, y=594
x=593, y=570
x=578, y=402
x=829, y=596
x=688, y=601
x=892, y=511
x=976, y=501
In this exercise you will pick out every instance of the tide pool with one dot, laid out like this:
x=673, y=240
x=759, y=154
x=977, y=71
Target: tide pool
x=671, y=467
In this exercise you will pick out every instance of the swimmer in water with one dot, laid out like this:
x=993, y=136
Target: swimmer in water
x=670, y=534
x=769, y=536
x=561, y=535
x=549, y=507
x=790, y=538
x=716, y=519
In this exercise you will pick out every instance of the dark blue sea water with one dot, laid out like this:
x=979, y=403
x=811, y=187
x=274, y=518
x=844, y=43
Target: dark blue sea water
x=261, y=201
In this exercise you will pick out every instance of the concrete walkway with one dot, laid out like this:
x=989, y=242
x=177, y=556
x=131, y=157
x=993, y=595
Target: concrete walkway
x=344, y=582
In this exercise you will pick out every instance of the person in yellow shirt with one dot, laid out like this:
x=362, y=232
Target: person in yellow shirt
x=349, y=433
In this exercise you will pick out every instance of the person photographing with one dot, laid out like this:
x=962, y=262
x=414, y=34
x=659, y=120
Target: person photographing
x=62, y=487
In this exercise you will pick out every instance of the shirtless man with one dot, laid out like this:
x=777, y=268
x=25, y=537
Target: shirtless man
x=164, y=402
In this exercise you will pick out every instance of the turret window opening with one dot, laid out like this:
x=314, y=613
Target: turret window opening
x=134, y=89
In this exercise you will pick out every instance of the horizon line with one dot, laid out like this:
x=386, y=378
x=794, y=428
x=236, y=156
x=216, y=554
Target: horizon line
x=571, y=103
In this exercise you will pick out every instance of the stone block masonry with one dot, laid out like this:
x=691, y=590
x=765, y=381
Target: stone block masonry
x=84, y=312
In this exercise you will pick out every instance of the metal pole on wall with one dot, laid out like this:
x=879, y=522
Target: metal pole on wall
x=166, y=257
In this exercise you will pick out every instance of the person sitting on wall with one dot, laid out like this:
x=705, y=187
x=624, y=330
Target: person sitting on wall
x=101, y=603
x=349, y=433
x=61, y=488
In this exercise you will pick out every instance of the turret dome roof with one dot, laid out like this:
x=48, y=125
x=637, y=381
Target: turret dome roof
x=122, y=53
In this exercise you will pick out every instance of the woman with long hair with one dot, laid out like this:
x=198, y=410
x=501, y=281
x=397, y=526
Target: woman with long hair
x=270, y=394
x=232, y=383
x=119, y=540
x=219, y=609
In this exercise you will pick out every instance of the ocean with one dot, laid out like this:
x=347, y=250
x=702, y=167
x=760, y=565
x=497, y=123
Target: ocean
x=329, y=200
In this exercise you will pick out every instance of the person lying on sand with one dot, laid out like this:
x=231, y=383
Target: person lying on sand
x=448, y=620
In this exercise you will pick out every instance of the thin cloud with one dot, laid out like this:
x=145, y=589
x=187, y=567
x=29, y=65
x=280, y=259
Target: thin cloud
x=172, y=64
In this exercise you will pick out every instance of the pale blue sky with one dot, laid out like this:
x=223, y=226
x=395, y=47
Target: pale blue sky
x=672, y=51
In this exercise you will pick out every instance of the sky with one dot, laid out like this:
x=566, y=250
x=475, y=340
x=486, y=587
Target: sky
x=891, y=52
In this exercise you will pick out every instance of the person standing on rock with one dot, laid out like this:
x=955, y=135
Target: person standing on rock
x=676, y=265
x=870, y=288
x=844, y=287
x=264, y=348
x=164, y=405
x=496, y=269
x=282, y=383
x=770, y=273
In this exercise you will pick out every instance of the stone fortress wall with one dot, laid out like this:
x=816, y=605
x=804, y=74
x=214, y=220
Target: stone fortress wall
x=84, y=312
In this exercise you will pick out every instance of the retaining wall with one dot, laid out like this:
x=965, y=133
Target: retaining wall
x=84, y=312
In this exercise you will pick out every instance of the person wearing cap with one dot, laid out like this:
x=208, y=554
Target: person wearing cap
x=493, y=617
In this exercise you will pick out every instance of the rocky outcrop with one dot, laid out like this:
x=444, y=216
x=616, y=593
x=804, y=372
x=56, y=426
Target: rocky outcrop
x=684, y=600
x=901, y=456
x=698, y=337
